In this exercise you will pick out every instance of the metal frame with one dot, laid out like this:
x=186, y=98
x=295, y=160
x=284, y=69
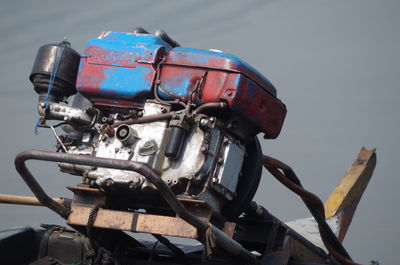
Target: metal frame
x=221, y=239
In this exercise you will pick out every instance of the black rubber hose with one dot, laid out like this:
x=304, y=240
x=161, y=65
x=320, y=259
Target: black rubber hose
x=164, y=36
x=140, y=30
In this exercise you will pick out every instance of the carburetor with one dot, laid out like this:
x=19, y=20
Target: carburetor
x=192, y=115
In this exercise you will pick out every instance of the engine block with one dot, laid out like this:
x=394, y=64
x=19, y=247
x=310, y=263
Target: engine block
x=191, y=115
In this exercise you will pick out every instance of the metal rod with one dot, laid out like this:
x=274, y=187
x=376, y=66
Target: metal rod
x=225, y=242
x=145, y=119
x=210, y=105
x=58, y=139
x=26, y=200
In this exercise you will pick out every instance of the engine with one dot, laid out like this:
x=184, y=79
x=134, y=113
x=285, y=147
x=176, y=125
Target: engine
x=192, y=115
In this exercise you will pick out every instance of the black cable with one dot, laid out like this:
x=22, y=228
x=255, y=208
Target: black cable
x=177, y=251
x=153, y=253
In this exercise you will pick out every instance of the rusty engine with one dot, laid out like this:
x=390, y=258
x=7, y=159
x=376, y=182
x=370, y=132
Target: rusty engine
x=192, y=115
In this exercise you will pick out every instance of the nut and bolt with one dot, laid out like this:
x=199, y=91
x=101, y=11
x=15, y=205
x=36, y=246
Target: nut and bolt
x=136, y=180
x=104, y=137
x=229, y=93
x=123, y=133
x=109, y=182
x=204, y=148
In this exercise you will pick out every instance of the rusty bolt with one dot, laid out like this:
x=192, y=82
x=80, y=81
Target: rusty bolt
x=229, y=93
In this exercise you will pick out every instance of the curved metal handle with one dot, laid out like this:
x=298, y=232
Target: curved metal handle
x=222, y=239
x=140, y=168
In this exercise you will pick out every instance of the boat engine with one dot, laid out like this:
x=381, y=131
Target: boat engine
x=192, y=115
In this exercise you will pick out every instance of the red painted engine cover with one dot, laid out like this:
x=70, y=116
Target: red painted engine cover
x=227, y=78
x=119, y=70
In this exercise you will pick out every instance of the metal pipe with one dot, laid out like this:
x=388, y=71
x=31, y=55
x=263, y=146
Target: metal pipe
x=225, y=242
x=27, y=200
x=210, y=105
x=290, y=180
x=145, y=119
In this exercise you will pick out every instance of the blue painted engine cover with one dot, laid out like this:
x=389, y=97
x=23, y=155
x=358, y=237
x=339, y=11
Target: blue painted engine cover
x=120, y=70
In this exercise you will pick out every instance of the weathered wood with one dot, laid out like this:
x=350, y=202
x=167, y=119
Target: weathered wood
x=343, y=201
x=135, y=222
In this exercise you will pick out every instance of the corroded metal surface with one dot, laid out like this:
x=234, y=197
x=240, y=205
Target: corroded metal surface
x=120, y=69
x=221, y=239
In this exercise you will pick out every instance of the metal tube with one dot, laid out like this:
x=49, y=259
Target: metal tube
x=210, y=105
x=25, y=200
x=317, y=210
x=222, y=239
x=145, y=119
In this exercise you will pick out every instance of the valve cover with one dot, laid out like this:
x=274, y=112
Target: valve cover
x=121, y=69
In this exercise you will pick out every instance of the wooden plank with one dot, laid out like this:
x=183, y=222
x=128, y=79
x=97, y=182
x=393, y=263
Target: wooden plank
x=135, y=222
x=344, y=199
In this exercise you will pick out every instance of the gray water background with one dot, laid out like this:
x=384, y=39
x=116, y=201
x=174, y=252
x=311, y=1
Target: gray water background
x=335, y=65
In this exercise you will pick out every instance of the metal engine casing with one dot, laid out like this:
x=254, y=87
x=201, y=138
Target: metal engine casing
x=120, y=69
x=191, y=115
x=210, y=160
